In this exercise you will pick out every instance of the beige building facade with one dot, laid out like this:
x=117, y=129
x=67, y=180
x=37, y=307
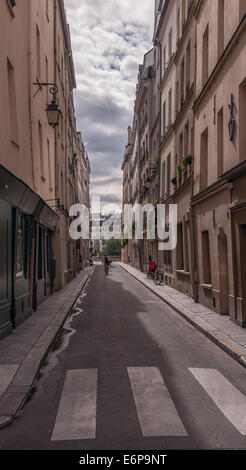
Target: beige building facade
x=38, y=166
x=220, y=147
x=202, y=50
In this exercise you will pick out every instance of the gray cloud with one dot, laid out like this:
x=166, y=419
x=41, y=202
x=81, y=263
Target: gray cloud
x=108, y=42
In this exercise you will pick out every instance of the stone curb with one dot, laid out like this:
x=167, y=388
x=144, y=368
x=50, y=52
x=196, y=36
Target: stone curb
x=18, y=390
x=236, y=351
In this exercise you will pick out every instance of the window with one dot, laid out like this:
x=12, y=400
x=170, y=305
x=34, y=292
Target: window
x=41, y=150
x=49, y=164
x=179, y=248
x=164, y=59
x=168, y=174
x=206, y=258
x=186, y=140
x=12, y=103
x=220, y=141
x=181, y=149
x=205, y=55
x=188, y=68
x=38, y=55
x=204, y=160
x=170, y=43
x=186, y=248
x=182, y=71
x=47, y=77
x=164, y=118
x=242, y=120
x=183, y=13
x=178, y=25
x=11, y=4
x=221, y=26
x=177, y=97
x=163, y=178
x=47, y=10
x=40, y=253
x=20, y=247
x=170, y=107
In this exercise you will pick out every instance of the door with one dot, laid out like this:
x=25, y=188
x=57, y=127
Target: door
x=6, y=318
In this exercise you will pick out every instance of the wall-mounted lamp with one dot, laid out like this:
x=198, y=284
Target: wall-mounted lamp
x=53, y=111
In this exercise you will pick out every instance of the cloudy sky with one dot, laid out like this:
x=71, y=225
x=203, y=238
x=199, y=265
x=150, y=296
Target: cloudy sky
x=109, y=39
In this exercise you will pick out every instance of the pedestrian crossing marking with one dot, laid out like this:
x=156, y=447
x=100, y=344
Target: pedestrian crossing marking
x=228, y=398
x=76, y=417
x=156, y=412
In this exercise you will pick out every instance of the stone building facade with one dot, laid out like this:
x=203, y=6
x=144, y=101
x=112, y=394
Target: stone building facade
x=38, y=166
x=202, y=49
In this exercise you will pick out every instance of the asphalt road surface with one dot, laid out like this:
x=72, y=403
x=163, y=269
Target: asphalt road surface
x=129, y=373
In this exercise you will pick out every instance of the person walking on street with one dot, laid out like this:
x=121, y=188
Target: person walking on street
x=106, y=264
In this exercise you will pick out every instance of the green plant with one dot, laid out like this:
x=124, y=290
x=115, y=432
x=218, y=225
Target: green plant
x=154, y=158
x=174, y=181
x=179, y=170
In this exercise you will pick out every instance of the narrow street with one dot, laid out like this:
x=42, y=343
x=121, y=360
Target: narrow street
x=130, y=373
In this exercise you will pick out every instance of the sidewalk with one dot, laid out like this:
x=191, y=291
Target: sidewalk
x=24, y=351
x=218, y=328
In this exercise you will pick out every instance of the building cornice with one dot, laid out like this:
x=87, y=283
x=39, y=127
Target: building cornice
x=233, y=41
x=210, y=191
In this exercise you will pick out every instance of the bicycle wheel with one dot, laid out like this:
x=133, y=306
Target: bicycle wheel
x=158, y=279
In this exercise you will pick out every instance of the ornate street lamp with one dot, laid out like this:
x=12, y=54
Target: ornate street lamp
x=53, y=111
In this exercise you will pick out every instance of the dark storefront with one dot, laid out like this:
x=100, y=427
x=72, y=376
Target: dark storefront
x=27, y=225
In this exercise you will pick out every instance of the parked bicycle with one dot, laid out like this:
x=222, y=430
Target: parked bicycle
x=154, y=274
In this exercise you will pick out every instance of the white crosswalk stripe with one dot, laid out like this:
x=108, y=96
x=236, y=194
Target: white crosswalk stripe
x=155, y=409
x=76, y=418
x=156, y=412
x=228, y=399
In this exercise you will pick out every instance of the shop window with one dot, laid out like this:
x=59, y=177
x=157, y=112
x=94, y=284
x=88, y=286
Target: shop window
x=20, y=248
x=40, y=253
